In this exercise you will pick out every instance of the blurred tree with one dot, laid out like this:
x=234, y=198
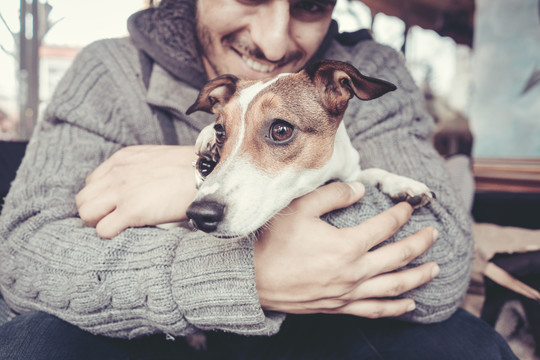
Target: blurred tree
x=34, y=25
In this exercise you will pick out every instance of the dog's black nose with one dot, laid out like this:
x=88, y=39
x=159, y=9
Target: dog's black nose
x=205, y=215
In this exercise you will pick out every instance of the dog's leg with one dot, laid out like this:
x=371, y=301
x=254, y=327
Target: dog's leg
x=205, y=146
x=399, y=188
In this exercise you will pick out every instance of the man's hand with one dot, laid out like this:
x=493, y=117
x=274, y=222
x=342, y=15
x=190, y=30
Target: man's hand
x=138, y=186
x=304, y=265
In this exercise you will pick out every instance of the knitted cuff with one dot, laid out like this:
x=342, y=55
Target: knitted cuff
x=213, y=283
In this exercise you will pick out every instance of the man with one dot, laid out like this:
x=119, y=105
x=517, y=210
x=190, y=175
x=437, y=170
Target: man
x=77, y=241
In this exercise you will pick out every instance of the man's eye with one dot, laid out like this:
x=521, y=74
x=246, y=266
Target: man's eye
x=308, y=6
x=251, y=2
x=310, y=10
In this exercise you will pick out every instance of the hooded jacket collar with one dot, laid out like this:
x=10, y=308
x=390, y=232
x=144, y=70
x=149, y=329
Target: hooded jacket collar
x=167, y=34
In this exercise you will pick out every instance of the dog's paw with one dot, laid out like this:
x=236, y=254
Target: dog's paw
x=208, y=154
x=205, y=146
x=416, y=201
x=401, y=188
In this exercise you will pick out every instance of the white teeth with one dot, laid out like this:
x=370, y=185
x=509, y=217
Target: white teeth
x=258, y=66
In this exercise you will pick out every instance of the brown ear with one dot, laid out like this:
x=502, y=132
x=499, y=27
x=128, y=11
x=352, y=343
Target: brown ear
x=215, y=94
x=338, y=82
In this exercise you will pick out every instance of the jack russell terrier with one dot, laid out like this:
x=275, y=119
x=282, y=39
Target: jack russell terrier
x=277, y=139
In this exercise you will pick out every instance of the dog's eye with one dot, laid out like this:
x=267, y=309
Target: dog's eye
x=220, y=133
x=281, y=131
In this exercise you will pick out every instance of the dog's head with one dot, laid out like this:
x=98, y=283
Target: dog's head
x=272, y=142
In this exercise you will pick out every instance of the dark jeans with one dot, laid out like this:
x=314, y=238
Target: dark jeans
x=462, y=337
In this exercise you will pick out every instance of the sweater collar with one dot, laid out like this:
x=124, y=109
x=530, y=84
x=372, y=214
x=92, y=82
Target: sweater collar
x=167, y=34
x=171, y=95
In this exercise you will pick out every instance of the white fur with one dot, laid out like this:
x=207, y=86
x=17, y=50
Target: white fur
x=252, y=195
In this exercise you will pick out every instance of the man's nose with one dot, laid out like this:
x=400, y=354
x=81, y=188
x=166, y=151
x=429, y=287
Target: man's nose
x=270, y=29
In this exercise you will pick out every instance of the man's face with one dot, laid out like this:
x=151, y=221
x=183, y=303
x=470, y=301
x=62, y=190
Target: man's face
x=255, y=39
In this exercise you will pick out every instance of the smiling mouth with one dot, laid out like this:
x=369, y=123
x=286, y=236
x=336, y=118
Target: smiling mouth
x=257, y=66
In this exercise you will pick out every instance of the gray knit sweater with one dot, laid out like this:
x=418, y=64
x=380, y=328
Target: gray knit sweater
x=149, y=280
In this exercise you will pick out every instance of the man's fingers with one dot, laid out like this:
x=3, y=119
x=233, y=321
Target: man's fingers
x=368, y=308
x=397, y=255
x=93, y=211
x=95, y=201
x=395, y=284
x=382, y=226
x=336, y=195
x=94, y=189
x=377, y=308
x=111, y=225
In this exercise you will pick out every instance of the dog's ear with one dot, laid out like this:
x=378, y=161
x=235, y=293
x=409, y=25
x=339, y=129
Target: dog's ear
x=215, y=94
x=338, y=82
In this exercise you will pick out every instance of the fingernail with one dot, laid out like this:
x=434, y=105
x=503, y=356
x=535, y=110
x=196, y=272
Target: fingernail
x=435, y=234
x=357, y=187
x=435, y=270
x=411, y=307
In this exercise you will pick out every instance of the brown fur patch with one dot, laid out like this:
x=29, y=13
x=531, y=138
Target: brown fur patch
x=292, y=99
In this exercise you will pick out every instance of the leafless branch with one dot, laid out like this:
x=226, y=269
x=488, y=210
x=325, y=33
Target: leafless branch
x=6, y=25
x=7, y=51
x=12, y=34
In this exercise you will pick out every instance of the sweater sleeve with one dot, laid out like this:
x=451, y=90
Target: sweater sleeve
x=145, y=280
x=393, y=133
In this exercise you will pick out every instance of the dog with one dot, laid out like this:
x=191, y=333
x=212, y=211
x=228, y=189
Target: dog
x=277, y=139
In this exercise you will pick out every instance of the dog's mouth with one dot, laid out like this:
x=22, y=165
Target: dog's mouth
x=224, y=236
x=250, y=234
x=228, y=237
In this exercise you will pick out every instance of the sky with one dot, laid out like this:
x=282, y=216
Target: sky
x=82, y=21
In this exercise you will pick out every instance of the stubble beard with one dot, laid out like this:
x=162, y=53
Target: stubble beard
x=204, y=46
